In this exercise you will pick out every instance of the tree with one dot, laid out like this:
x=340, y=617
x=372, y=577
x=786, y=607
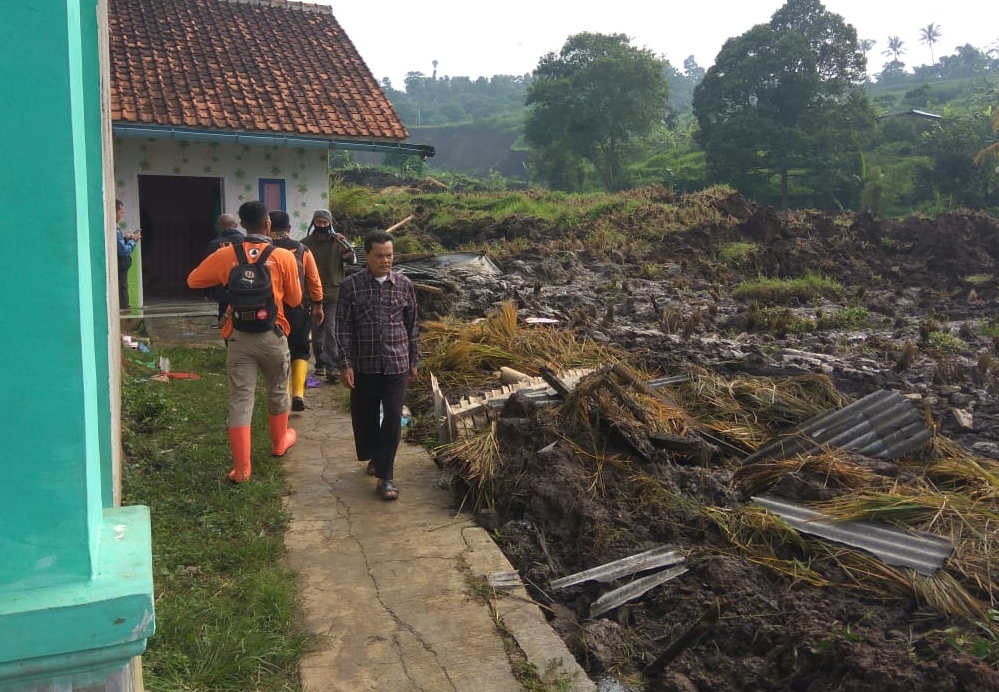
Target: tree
x=894, y=49
x=953, y=147
x=929, y=35
x=591, y=103
x=785, y=100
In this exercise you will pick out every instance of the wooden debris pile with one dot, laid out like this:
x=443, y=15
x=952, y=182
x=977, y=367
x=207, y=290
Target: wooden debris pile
x=838, y=469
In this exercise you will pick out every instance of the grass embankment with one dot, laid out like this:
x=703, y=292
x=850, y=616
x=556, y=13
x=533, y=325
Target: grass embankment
x=226, y=614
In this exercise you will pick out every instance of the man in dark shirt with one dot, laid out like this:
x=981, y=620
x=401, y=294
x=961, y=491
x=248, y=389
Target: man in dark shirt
x=378, y=351
x=229, y=233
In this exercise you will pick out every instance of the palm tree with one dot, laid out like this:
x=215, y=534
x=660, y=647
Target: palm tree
x=894, y=47
x=929, y=35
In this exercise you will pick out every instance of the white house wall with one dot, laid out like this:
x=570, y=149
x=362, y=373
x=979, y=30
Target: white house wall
x=241, y=166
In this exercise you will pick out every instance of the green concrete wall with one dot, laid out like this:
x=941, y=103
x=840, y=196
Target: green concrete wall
x=92, y=114
x=76, y=593
x=52, y=422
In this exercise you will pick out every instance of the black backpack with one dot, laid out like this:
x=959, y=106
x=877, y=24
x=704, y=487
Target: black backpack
x=251, y=295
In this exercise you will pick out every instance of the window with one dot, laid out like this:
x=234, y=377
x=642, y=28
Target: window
x=272, y=193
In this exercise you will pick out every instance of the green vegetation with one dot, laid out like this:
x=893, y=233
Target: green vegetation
x=226, y=617
x=777, y=320
x=553, y=679
x=989, y=326
x=782, y=291
x=844, y=318
x=738, y=253
x=843, y=132
x=945, y=342
x=795, y=120
x=350, y=200
x=983, y=645
x=590, y=106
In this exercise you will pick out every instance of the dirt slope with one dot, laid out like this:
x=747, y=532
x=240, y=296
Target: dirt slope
x=910, y=310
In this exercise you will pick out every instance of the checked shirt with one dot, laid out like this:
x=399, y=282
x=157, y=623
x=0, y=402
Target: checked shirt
x=377, y=326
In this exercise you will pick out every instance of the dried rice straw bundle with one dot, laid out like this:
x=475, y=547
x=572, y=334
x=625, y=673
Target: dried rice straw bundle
x=964, y=471
x=765, y=404
x=502, y=322
x=473, y=459
x=834, y=467
x=941, y=592
x=905, y=507
x=763, y=538
x=946, y=595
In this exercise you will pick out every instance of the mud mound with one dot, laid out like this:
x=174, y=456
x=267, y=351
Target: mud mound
x=912, y=308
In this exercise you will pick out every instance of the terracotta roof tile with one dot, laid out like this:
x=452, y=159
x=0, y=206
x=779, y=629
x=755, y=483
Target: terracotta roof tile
x=248, y=65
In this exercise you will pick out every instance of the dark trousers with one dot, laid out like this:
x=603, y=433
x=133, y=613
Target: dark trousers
x=324, y=336
x=123, y=266
x=298, y=340
x=373, y=440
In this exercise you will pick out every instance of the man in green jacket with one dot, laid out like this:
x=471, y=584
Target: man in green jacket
x=332, y=252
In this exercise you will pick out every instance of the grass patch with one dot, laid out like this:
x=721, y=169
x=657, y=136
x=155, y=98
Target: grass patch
x=989, y=326
x=738, y=253
x=777, y=320
x=844, y=318
x=226, y=611
x=350, y=200
x=945, y=342
x=781, y=291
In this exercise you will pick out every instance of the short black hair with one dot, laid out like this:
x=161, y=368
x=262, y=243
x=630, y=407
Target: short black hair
x=253, y=215
x=280, y=221
x=118, y=204
x=376, y=237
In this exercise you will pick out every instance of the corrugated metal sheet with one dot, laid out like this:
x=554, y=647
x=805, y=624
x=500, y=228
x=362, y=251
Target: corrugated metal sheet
x=884, y=425
x=920, y=551
x=428, y=267
x=650, y=559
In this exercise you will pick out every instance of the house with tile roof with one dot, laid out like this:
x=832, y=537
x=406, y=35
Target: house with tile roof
x=216, y=102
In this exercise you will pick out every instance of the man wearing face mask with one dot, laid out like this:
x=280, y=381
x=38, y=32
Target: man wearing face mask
x=332, y=252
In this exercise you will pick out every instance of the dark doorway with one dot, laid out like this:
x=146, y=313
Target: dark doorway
x=178, y=216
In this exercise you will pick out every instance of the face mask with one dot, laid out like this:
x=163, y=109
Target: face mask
x=322, y=229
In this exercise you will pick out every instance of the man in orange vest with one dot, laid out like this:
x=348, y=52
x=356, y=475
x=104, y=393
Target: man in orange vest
x=250, y=350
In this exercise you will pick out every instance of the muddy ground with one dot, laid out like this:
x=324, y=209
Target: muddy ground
x=917, y=298
x=913, y=314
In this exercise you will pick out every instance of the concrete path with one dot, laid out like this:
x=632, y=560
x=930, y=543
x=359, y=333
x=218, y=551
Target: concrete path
x=396, y=593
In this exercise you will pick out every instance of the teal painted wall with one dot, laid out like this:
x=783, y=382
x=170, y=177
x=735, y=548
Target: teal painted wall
x=56, y=423
x=92, y=119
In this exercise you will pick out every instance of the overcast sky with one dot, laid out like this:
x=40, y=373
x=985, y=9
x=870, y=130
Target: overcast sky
x=476, y=39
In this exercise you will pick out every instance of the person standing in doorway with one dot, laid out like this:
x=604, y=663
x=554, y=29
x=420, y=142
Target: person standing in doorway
x=303, y=316
x=332, y=252
x=126, y=245
x=253, y=347
x=378, y=351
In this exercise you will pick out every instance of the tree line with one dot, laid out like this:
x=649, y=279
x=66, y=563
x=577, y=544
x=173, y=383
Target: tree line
x=787, y=115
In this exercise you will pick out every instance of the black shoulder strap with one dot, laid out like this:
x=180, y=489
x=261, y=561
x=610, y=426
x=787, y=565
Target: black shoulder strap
x=240, y=252
x=265, y=253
